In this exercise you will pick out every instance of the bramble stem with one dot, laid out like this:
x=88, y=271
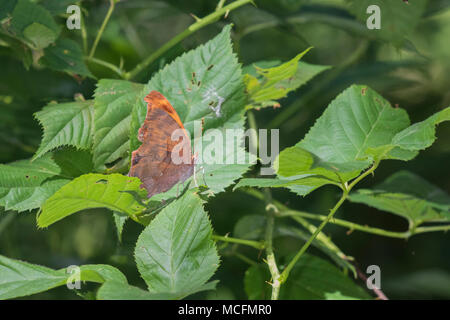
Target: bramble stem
x=432, y=229
x=343, y=223
x=220, y=4
x=200, y=23
x=346, y=190
x=291, y=264
x=105, y=64
x=112, y=4
x=254, y=134
x=255, y=244
x=270, y=256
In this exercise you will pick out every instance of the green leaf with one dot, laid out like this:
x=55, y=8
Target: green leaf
x=25, y=185
x=66, y=124
x=112, y=290
x=267, y=85
x=198, y=78
x=255, y=282
x=312, y=278
x=101, y=273
x=66, y=55
x=219, y=175
x=338, y=296
x=18, y=278
x=114, y=101
x=119, y=220
x=406, y=143
x=344, y=139
x=299, y=185
x=33, y=24
x=176, y=253
x=93, y=191
x=409, y=196
x=204, y=84
x=73, y=162
x=39, y=35
x=398, y=19
x=421, y=135
x=358, y=128
x=305, y=72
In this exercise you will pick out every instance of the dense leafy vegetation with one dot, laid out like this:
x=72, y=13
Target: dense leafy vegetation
x=293, y=65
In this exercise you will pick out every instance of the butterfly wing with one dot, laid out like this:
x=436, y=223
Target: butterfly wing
x=152, y=161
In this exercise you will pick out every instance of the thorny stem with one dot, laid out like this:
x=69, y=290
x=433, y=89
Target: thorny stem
x=270, y=256
x=346, y=190
x=105, y=64
x=112, y=4
x=291, y=264
x=200, y=23
x=343, y=223
x=272, y=211
x=255, y=244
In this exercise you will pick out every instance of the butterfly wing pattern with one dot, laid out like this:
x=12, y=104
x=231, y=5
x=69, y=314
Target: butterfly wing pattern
x=152, y=161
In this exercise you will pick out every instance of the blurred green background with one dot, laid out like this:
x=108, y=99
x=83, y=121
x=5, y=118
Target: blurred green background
x=409, y=64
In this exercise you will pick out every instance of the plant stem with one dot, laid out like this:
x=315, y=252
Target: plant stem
x=181, y=36
x=294, y=214
x=351, y=225
x=346, y=190
x=271, y=210
x=103, y=26
x=220, y=4
x=291, y=264
x=271, y=262
x=324, y=239
x=84, y=34
x=105, y=64
x=432, y=229
x=362, y=176
x=255, y=244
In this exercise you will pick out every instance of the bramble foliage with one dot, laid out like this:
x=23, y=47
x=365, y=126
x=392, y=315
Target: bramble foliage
x=82, y=160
